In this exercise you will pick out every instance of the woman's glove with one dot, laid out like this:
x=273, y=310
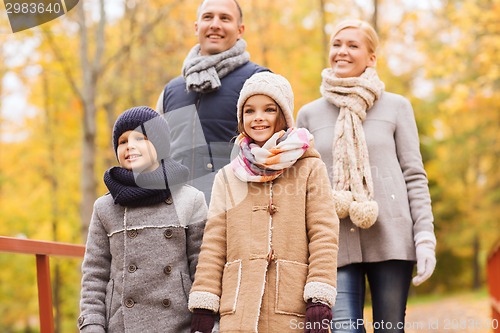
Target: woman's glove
x=318, y=317
x=425, y=244
x=202, y=321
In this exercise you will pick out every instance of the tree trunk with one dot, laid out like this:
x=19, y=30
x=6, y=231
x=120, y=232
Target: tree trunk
x=375, y=15
x=51, y=175
x=324, y=36
x=476, y=267
x=90, y=72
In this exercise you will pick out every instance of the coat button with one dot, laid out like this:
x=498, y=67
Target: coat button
x=352, y=230
x=168, y=233
x=169, y=201
x=132, y=233
x=81, y=320
x=167, y=270
x=210, y=166
x=129, y=303
x=166, y=303
x=132, y=268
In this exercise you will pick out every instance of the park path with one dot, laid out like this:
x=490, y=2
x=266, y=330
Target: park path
x=466, y=313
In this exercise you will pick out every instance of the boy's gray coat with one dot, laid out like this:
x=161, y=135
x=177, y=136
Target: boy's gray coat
x=139, y=264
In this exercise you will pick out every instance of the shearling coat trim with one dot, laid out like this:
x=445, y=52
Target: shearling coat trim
x=203, y=300
x=320, y=291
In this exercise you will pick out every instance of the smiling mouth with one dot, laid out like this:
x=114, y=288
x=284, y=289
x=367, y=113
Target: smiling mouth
x=258, y=128
x=132, y=157
x=215, y=37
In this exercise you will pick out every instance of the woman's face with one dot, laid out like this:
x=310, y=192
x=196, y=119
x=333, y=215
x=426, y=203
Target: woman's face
x=349, y=55
x=260, y=116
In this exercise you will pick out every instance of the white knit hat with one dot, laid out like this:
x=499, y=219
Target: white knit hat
x=272, y=85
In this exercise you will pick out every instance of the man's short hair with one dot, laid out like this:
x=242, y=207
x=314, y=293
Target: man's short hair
x=240, y=12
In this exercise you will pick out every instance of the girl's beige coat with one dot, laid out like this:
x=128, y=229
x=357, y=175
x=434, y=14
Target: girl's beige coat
x=237, y=275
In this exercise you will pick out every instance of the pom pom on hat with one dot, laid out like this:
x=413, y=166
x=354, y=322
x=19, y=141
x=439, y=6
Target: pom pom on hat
x=147, y=121
x=273, y=85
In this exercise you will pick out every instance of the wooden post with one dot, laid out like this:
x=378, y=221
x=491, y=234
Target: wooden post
x=44, y=294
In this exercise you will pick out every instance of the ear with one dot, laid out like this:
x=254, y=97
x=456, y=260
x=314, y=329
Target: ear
x=241, y=30
x=196, y=28
x=372, y=60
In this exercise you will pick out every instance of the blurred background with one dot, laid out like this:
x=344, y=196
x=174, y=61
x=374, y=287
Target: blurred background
x=62, y=85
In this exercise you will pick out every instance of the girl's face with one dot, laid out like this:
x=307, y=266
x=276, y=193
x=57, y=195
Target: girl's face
x=349, y=54
x=261, y=118
x=135, y=152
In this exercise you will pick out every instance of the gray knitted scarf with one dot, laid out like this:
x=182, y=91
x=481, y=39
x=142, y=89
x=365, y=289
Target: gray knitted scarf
x=352, y=179
x=203, y=73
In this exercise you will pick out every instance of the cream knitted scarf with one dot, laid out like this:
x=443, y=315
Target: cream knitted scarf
x=203, y=73
x=352, y=179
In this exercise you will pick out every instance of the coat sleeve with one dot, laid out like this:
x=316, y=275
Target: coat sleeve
x=322, y=231
x=410, y=159
x=96, y=269
x=207, y=286
x=194, y=232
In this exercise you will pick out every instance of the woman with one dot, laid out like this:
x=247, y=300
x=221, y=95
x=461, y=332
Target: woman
x=268, y=257
x=369, y=141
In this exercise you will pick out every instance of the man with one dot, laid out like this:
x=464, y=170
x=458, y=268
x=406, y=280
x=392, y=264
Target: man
x=200, y=105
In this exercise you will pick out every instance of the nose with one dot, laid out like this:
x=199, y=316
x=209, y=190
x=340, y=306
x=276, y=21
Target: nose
x=215, y=23
x=343, y=49
x=259, y=116
x=130, y=144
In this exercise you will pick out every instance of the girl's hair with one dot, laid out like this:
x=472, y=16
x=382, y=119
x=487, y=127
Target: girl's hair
x=370, y=33
x=280, y=122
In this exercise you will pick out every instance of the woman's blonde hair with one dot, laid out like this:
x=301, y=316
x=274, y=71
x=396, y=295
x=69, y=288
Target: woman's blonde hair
x=370, y=33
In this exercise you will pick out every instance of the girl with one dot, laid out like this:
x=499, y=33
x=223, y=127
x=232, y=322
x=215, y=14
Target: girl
x=369, y=141
x=144, y=236
x=268, y=257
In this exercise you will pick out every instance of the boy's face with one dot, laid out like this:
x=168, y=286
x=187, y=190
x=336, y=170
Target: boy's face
x=136, y=153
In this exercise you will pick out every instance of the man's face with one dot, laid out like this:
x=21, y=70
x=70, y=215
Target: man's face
x=218, y=26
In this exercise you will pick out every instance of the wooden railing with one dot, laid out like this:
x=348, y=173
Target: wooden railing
x=493, y=268
x=42, y=250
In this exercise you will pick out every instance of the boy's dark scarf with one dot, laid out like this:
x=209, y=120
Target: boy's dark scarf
x=144, y=189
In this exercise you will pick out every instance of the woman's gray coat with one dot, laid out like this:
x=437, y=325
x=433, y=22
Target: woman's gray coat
x=139, y=264
x=399, y=179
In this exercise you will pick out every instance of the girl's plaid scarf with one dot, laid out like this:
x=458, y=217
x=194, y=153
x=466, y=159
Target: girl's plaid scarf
x=263, y=164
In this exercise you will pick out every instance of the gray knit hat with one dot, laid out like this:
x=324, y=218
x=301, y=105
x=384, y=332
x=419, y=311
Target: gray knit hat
x=272, y=85
x=147, y=121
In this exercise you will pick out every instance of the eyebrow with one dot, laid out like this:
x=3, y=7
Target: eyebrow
x=268, y=104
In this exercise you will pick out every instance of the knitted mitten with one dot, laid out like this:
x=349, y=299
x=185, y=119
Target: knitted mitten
x=425, y=243
x=319, y=317
x=202, y=321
